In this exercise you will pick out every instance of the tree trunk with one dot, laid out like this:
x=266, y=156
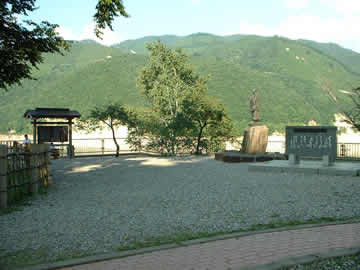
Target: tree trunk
x=117, y=145
x=199, y=139
x=173, y=145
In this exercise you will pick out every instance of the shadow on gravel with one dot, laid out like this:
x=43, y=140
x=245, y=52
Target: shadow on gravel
x=92, y=164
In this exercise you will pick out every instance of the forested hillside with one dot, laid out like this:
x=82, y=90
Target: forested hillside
x=349, y=58
x=298, y=81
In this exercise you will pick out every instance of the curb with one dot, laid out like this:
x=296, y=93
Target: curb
x=276, y=265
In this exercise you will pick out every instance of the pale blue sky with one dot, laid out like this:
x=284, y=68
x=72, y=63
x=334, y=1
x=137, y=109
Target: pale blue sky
x=321, y=20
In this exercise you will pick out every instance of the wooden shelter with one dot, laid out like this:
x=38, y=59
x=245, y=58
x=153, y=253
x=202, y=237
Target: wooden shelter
x=55, y=133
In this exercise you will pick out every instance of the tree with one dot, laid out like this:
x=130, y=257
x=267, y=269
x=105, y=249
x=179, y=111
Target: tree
x=209, y=121
x=22, y=45
x=180, y=106
x=353, y=115
x=113, y=115
x=167, y=81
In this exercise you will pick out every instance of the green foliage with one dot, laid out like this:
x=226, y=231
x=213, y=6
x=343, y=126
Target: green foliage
x=22, y=46
x=292, y=91
x=353, y=114
x=209, y=123
x=350, y=261
x=167, y=81
x=106, y=10
x=348, y=58
x=181, y=110
x=112, y=116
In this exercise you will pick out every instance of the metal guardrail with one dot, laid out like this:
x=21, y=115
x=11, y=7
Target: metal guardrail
x=103, y=146
x=344, y=150
x=348, y=151
x=99, y=146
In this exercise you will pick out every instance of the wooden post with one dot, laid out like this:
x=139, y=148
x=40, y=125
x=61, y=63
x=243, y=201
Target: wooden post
x=34, y=156
x=3, y=177
x=70, y=139
x=103, y=146
x=46, y=162
x=34, y=133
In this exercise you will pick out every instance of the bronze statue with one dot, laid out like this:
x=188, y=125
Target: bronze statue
x=254, y=107
x=255, y=135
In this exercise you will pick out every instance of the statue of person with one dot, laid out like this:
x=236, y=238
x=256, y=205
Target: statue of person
x=254, y=107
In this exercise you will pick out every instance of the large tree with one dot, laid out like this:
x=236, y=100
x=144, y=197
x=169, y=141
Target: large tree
x=167, y=80
x=22, y=44
x=181, y=110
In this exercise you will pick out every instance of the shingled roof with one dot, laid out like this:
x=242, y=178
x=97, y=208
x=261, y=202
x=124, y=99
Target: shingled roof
x=51, y=113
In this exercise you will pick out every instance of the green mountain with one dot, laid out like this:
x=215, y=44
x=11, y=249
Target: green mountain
x=298, y=81
x=348, y=58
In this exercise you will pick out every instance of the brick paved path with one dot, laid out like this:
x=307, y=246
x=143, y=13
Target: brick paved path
x=239, y=252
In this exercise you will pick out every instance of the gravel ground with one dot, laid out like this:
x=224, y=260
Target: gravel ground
x=99, y=204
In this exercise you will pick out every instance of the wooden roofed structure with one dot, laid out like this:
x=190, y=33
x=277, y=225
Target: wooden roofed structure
x=57, y=133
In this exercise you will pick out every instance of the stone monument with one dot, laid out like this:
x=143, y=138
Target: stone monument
x=256, y=135
x=311, y=141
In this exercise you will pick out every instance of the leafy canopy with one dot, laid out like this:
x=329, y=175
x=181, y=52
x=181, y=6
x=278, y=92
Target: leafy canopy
x=353, y=115
x=112, y=116
x=22, y=45
x=106, y=10
x=181, y=112
x=210, y=124
x=168, y=79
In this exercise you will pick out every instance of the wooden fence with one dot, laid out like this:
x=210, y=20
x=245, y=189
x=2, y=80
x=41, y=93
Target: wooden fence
x=22, y=172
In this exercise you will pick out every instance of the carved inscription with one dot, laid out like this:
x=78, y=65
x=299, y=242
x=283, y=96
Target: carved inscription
x=311, y=142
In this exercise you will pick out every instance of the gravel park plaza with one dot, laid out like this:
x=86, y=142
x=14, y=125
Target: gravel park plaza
x=106, y=204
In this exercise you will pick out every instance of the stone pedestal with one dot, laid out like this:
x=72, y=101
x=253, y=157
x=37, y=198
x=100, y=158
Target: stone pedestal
x=294, y=159
x=255, y=140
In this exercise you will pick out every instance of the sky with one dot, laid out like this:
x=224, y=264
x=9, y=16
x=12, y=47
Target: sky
x=334, y=21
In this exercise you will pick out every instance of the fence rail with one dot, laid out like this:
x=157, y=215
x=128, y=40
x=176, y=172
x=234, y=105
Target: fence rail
x=22, y=171
x=103, y=146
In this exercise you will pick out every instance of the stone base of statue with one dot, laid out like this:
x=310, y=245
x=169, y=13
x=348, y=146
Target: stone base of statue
x=255, y=140
x=253, y=148
x=236, y=156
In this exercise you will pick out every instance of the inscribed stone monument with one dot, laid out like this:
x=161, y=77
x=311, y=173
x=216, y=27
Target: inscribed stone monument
x=311, y=141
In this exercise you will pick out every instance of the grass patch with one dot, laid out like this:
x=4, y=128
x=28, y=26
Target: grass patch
x=27, y=257
x=17, y=206
x=179, y=238
x=30, y=257
x=275, y=215
x=25, y=200
x=350, y=262
x=286, y=223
